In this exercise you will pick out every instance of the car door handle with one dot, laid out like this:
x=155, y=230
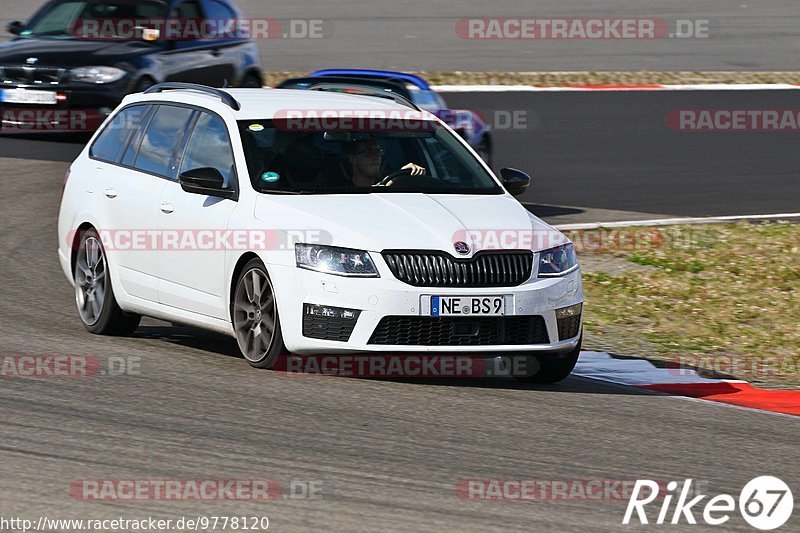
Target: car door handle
x=110, y=193
x=167, y=207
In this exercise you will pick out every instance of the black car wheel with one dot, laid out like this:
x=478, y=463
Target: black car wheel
x=551, y=369
x=255, y=316
x=143, y=84
x=94, y=294
x=484, y=150
x=252, y=81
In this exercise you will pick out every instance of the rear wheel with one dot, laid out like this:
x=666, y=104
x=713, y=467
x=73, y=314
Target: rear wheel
x=143, y=84
x=484, y=150
x=255, y=316
x=551, y=369
x=252, y=81
x=94, y=294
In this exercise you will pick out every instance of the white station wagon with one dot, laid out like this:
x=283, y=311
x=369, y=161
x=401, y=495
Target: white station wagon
x=313, y=222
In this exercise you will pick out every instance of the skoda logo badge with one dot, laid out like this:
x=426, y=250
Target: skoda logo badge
x=461, y=248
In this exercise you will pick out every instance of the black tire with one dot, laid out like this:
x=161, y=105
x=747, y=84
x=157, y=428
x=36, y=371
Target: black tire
x=254, y=312
x=552, y=369
x=143, y=84
x=93, y=283
x=484, y=150
x=251, y=81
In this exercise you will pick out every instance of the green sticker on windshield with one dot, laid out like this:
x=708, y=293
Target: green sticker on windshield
x=256, y=127
x=270, y=177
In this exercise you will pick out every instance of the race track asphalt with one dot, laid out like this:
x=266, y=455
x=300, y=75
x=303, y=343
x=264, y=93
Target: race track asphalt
x=388, y=453
x=421, y=35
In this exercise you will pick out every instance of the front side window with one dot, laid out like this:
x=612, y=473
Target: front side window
x=159, y=147
x=110, y=142
x=209, y=147
x=422, y=157
x=91, y=19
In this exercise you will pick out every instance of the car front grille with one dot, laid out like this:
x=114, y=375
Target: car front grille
x=458, y=331
x=438, y=269
x=568, y=327
x=25, y=75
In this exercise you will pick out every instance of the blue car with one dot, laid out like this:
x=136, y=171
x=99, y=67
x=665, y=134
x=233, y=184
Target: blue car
x=465, y=122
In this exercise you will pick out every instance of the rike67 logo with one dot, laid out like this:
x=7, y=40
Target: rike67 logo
x=765, y=503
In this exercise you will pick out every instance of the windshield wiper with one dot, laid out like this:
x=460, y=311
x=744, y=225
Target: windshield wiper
x=286, y=192
x=53, y=33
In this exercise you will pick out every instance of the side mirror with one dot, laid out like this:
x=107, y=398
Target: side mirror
x=515, y=181
x=207, y=181
x=15, y=28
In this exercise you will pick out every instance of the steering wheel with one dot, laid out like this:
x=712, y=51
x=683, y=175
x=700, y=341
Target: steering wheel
x=393, y=175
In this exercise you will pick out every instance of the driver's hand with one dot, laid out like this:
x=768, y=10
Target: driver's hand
x=416, y=170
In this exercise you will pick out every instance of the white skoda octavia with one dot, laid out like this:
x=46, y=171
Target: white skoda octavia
x=313, y=222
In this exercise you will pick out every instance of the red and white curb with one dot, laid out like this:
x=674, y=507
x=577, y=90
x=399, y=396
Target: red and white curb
x=643, y=374
x=583, y=88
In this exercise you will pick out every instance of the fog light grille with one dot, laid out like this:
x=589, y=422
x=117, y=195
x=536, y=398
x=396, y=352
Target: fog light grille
x=329, y=323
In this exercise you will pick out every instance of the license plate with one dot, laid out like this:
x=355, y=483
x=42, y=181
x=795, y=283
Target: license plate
x=27, y=96
x=468, y=305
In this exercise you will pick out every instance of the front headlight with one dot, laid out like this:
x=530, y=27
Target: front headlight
x=338, y=261
x=97, y=74
x=557, y=261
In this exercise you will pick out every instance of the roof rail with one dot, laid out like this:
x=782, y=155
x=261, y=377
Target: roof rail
x=226, y=97
x=363, y=90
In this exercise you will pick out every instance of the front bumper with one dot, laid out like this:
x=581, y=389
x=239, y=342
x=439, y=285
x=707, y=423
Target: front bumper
x=376, y=298
x=80, y=108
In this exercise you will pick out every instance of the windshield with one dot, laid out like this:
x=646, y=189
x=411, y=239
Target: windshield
x=70, y=18
x=338, y=162
x=427, y=100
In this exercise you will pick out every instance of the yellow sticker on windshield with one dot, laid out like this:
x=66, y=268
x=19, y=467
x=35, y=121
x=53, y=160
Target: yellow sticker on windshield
x=256, y=127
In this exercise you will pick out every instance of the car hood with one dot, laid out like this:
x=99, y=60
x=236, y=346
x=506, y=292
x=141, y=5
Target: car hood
x=69, y=52
x=399, y=221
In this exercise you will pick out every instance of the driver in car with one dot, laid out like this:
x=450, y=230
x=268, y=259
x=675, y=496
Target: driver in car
x=365, y=159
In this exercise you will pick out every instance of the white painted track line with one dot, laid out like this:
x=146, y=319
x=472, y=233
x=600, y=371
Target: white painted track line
x=675, y=221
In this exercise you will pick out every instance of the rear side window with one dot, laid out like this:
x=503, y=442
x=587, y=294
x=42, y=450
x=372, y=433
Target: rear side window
x=112, y=140
x=209, y=146
x=161, y=142
x=189, y=9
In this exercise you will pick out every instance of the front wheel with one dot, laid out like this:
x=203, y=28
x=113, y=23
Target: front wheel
x=551, y=369
x=94, y=294
x=255, y=317
x=252, y=81
x=484, y=150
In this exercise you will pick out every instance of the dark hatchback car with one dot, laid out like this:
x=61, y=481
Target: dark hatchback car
x=84, y=56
